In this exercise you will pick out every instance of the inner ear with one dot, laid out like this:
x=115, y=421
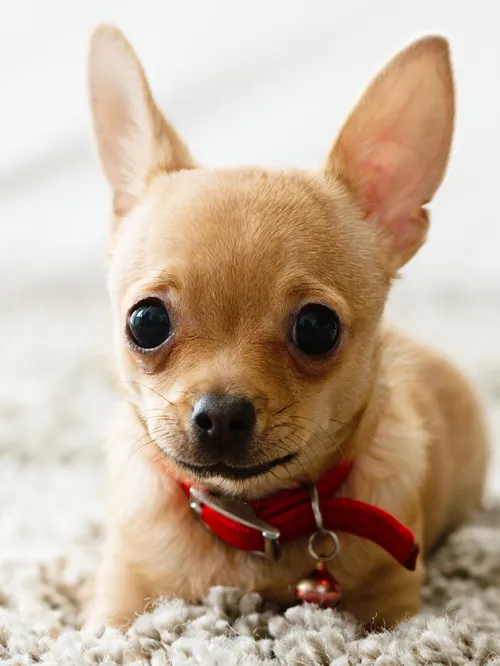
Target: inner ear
x=133, y=138
x=393, y=150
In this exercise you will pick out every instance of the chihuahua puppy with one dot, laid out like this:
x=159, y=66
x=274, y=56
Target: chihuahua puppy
x=250, y=347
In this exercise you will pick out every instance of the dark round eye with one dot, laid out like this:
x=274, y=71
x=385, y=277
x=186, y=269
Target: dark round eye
x=316, y=330
x=149, y=324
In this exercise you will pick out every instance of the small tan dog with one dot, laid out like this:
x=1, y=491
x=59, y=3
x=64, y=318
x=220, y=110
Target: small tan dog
x=247, y=305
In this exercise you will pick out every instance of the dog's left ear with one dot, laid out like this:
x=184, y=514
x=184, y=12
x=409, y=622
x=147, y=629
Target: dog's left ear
x=134, y=140
x=393, y=150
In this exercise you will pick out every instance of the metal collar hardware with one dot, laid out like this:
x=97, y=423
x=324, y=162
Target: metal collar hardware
x=241, y=513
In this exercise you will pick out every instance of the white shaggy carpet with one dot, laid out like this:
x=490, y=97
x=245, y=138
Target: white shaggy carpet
x=55, y=399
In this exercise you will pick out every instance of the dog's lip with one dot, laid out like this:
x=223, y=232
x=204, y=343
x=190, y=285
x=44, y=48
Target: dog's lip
x=234, y=473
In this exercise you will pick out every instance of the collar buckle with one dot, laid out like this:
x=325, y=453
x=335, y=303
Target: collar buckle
x=241, y=513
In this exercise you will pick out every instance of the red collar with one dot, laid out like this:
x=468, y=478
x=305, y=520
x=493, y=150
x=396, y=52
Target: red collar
x=290, y=513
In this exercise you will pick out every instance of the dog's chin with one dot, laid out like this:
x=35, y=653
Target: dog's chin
x=226, y=472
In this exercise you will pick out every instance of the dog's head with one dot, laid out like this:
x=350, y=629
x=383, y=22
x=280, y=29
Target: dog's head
x=247, y=301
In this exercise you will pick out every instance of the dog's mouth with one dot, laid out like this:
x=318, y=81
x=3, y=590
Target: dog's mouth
x=234, y=473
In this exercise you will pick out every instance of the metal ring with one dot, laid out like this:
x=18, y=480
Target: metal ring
x=315, y=507
x=335, y=545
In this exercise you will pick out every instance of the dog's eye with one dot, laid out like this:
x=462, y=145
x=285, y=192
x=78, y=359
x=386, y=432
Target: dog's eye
x=149, y=324
x=316, y=330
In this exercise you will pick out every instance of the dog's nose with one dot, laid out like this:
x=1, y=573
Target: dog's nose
x=223, y=422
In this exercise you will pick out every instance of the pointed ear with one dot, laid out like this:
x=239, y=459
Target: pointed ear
x=133, y=138
x=393, y=150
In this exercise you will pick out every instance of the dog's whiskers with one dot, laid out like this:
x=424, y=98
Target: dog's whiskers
x=284, y=409
x=149, y=388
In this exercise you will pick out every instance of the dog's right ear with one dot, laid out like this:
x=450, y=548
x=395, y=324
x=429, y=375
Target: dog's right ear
x=134, y=140
x=393, y=150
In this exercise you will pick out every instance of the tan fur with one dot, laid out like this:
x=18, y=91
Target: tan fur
x=233, y=254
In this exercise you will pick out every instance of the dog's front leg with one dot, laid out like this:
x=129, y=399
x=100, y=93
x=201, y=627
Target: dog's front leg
x=119, y=596
x=388, y=597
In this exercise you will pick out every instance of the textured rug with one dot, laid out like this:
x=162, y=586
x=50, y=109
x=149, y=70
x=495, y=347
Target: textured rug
x=460, y=623
x=55, y=400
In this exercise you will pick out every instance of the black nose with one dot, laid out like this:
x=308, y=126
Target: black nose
x=222, y=422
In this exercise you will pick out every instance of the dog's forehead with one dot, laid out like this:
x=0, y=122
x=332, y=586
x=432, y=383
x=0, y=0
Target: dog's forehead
x=230, y=230
x=233, y=213
x=239, y=206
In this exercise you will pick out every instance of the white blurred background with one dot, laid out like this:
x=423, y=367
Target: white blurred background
x=262, y=81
